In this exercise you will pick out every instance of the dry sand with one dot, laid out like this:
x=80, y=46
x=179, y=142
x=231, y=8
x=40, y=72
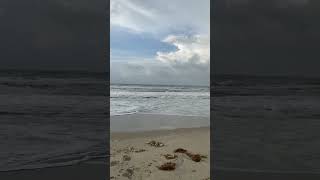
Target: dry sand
x=133, y=158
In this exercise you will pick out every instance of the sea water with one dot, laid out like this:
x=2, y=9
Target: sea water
x=157, y=99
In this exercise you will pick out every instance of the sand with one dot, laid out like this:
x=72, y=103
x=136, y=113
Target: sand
x=148, y=122
x=132, y=158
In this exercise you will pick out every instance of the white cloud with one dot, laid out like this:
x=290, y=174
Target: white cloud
x=161, y=16
x=190, y=50
x=129, y=15
x=188, y=65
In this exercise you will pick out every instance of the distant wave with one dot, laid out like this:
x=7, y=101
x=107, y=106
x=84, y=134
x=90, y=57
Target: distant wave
x=177, y=115
x=159, y=100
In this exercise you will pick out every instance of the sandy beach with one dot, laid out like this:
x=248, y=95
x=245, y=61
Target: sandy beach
x=138, y=155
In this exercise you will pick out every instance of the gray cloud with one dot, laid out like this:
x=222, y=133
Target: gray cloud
x=154, y=73
x=188, y=65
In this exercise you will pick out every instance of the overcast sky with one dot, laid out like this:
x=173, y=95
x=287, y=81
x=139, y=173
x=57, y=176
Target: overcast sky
x=163, y=41
x=160, y=42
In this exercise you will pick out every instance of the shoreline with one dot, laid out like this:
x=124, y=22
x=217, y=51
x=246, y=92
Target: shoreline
x=172, y=138
x=156, y=114
x=140, y=122
x=118, y=135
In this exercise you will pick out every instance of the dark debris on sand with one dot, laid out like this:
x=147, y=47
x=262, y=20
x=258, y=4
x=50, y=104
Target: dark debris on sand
x=180, y=150
x=128, y=173
x=114, y=163
x=130, y=150
x=194, y=157
x=126, y=158
x=155, y=143
x=168, y=166
x=170, y=156
x=139, y=150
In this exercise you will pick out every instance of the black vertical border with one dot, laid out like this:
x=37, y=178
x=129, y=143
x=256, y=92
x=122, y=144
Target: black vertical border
x=107, y=59
x=212, y=167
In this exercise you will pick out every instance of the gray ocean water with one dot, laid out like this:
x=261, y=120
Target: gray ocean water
x=260, y=123
x=156, y=99
x=51, y=118
x=60, y=118
x=266, y=123
x=155, y=107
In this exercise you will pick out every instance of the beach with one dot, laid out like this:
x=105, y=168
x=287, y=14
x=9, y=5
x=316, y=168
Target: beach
x=149, y=122
x=134, y=157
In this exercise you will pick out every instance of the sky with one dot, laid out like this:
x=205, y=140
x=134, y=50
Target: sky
x=160, y=42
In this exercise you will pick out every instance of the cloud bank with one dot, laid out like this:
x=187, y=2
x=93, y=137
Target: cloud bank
x=182, y=24
x=188, y=65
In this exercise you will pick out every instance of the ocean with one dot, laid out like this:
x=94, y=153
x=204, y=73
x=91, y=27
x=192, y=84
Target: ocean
x=266, y=123
x=158, y=107
x=55, y=118
x=259, y=123
x=163, y=100
x=52, y=118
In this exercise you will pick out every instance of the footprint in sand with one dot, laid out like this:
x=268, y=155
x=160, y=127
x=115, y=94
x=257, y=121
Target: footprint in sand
x=114, y=163
x=126, y=158
x=128, y=173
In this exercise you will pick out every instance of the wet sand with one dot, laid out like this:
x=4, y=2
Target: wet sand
x=148, y=122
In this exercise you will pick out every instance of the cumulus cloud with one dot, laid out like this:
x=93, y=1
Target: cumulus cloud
x=183, y=24
x=188, y=65
x=190, y=50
